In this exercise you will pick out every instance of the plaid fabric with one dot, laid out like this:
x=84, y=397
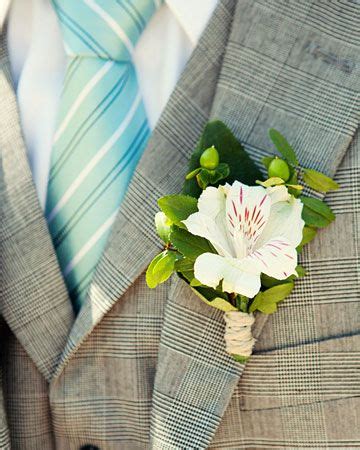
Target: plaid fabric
x=147, y=368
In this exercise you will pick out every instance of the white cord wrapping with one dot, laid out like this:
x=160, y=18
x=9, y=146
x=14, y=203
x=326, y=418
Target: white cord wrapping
x=238, y=337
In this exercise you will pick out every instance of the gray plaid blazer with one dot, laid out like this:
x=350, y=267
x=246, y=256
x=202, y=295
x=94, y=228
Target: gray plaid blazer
x=141, y=368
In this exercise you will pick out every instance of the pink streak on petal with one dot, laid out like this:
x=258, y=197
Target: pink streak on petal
x=252, y=216
x=262, y=201
x=234, y=207
x=275, y=246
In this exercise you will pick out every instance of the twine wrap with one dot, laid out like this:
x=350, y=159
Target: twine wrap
x=238, y=337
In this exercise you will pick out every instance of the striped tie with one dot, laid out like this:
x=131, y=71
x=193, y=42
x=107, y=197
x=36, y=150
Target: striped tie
x=101, y=131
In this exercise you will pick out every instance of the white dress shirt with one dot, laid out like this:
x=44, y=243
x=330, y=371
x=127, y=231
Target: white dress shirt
x=38, y=64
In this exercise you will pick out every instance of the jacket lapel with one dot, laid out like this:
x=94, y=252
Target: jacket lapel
x=271, y=76
x=133, y=241
x=34, y=302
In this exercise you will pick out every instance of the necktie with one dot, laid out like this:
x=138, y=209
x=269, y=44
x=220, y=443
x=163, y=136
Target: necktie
x=101, y=131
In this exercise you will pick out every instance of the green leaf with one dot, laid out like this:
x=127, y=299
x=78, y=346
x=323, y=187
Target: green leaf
x=314, y=219
x=151, y=279
x=265, y=301
x=160, y=268
x=266, y=160
x=189, y=245
x=184, y=265
x=162, y=226
x=297, y=187
x=216, y=302
x=195, y=283
x=293, y=177
x=319, y=207
x=187, y=275
x=231, y=152
x=240, y=359
x=222, y=171
x=283, y=146
x=269, y=282
x=318, y=181
x=192, y=174
x=206, y=176
x=242, y=303
x=300, y=271
x=273, y=181
x=308, y=235
x=178, y=207
x=292, y=184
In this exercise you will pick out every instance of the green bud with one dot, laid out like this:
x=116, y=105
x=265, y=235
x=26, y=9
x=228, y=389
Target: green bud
x=279, y=168
x=209, y=158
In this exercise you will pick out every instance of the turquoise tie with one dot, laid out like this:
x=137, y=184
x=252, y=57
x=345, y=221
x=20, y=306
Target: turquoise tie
x=101, y=131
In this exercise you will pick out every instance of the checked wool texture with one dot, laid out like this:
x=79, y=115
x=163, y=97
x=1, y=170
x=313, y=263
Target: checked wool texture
x=147, y=369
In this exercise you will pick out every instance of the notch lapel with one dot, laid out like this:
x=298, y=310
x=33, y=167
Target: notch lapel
x=34, y=299
x=270, y=77
x=133, y=241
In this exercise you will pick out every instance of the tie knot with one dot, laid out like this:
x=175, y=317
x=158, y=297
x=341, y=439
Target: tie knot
x=106, y=29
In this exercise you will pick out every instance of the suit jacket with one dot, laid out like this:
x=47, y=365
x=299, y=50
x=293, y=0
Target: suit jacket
x=141, y=368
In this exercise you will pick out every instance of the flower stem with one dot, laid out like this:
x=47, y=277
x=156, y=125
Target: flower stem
x=232, y=298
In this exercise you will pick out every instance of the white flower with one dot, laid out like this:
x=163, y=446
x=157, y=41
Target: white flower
x=253, y=229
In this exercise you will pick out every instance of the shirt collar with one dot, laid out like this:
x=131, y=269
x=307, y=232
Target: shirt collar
x=192, y=15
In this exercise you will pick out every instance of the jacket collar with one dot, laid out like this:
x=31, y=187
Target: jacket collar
x=35, y=302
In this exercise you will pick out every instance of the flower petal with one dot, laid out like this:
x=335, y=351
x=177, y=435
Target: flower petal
x=237, y=277
x=209, y=222
x=247, y=212
x=277, y=259
x=278, y=194
x=285, y=221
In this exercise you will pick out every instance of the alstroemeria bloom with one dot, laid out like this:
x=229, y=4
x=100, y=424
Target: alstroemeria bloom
x=253, y=229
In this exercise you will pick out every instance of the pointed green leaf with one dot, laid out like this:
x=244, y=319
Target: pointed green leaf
x=314, y=219
x=195, y=283
x=269, y=282
x=300, y=271
x=266, y=301
x=278, y=293
x=319, y=207
x=318, y=181
x=217, y=302
x=184, y=265
x=162, y=226
x=151, y=280
x=178, y=207
x=308, y=235
x=189, y=245
x=192, y=174
x=273, y=181
x=283, y=146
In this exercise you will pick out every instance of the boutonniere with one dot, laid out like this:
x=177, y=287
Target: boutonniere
x=235, y=238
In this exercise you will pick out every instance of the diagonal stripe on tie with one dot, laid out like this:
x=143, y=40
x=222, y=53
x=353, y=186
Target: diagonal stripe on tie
x=101, y=131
